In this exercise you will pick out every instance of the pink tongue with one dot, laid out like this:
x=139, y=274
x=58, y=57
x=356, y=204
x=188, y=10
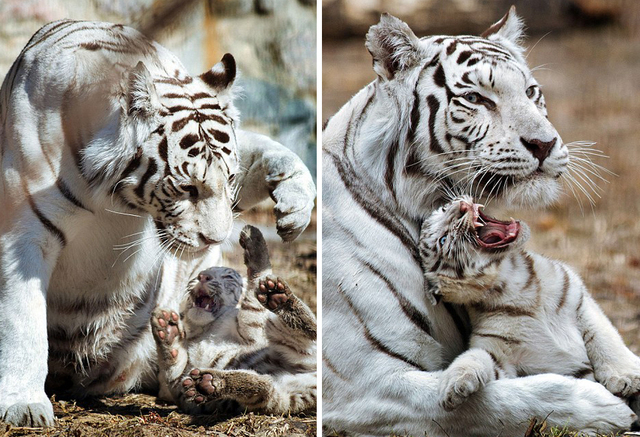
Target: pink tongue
x=491, y=233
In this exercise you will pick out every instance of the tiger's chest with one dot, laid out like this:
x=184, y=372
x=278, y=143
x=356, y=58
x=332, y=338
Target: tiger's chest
x=109, y=256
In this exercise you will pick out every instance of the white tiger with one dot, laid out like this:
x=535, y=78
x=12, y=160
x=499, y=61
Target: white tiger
x=443, y=110
x=106, y=142
x=529, y=314
x=255, y=347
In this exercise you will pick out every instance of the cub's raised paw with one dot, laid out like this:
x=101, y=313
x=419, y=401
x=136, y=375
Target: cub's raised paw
x=202, y=386
x=621, y=382
x=273, y=293
x=457, y=385
x=166, y=328
x=256, y=254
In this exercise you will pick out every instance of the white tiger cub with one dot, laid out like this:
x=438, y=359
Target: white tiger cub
x=255, y=347
x=529, y=314
x=107, y=142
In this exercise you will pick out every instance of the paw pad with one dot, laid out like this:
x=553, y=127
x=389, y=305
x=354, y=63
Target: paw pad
x=273, y=293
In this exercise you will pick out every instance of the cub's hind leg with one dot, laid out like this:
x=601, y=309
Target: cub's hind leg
x=169, y=334
x=254, y=392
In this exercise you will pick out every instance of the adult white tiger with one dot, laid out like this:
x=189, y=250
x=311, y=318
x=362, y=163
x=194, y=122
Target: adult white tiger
x=441, y=109
x=105, y=139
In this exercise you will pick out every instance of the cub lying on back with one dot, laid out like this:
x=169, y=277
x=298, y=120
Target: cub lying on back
x=256, y=347
x=529, y=314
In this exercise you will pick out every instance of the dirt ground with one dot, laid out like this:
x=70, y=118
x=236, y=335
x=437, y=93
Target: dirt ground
x=139, y=415
x=590, y=81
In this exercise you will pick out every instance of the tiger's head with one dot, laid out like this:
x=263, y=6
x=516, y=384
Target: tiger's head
x=183, y=170
x=459, y=241
x=470, y=114
x=212, y=293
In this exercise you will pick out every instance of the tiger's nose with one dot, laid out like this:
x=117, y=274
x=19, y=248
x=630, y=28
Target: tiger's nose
x=539, y=149
x=203, y=277
x=208, y=241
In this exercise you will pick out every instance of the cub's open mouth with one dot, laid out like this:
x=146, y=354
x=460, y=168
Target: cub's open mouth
x=491, y=233
x=204, y=301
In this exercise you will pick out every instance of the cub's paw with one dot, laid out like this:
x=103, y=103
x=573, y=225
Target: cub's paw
x=622, y=381
x=202, y=386
x=457, y=385
x=256, y=254
x=273, y=293
x=167, y=327
x=32, y=414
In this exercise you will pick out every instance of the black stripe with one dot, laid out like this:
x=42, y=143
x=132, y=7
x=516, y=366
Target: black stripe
x=363, y=195
x=565, y=289
x=163, y=149
x=417, y=318
x=434, y=106
x=463, y=56
x=389, y=174
x=509, y=340
x=219, y=136
x=46, y=222
x=66, y=192
x=133, y=164
x=508, y=310
x=188, y=140
x=151, y=170
x=377, y=344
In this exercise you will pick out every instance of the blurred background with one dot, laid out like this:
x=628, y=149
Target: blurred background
x=588, y=54
x=274, y=44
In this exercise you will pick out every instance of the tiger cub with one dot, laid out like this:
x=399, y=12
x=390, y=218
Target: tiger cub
x=256, y=346
x=529, y=314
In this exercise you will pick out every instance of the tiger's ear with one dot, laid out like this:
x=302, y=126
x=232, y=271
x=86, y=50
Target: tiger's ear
x=510, y=27
x=221, y=75
x=393, y=46
x=142, y=98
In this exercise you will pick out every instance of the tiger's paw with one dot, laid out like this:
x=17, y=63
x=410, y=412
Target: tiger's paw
x=457, y=387
x=624, y=382
x=203, y=386
x=273, y=293
x=29, y=413
x=166, y=328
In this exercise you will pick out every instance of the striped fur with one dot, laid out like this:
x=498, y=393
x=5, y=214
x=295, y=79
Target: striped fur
x=529, y=314
x=119, y=174
x=262, y=360
x=445, y=114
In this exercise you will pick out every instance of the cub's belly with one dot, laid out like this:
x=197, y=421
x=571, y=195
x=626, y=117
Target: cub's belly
x=554, y=349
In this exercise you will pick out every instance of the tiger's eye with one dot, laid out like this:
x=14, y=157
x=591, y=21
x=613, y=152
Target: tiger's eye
x=531, y=91
x=472, y=97
x=191, y=189
x=443, y=240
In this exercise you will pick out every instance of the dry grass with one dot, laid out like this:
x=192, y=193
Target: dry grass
x=139, y=415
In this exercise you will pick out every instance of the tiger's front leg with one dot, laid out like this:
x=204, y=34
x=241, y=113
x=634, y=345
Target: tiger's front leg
x=614, y=365
x=26, y=263
x=274, y=171
x=173, y=357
